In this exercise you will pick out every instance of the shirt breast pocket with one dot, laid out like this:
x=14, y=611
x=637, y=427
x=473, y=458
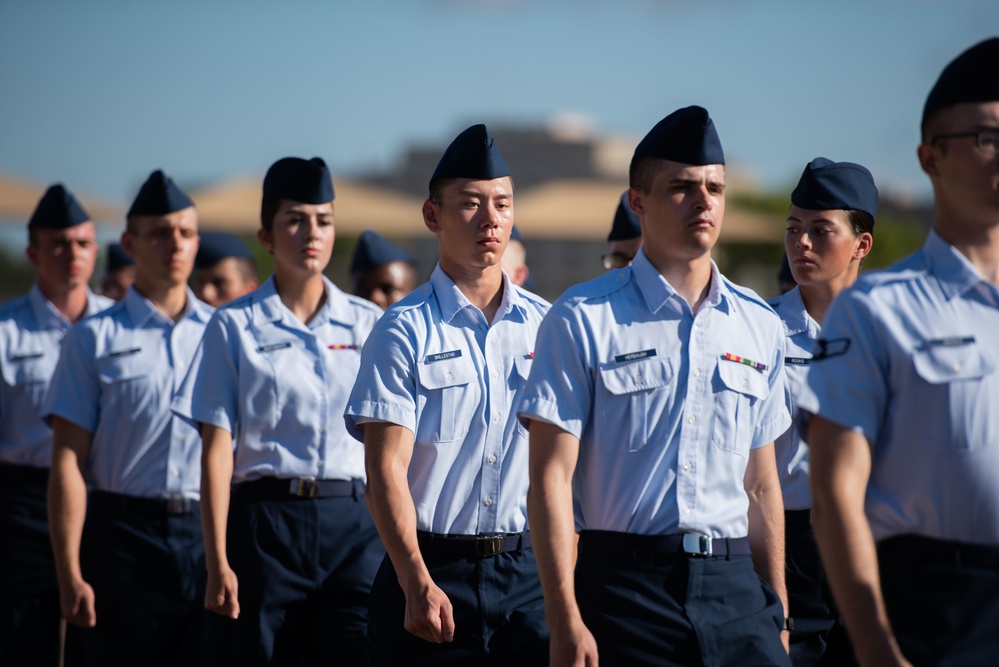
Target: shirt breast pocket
x=451, y=393
x=738, y=390
x=124, y=375
x=960, y=384
x=28, y=373
x=629, y=403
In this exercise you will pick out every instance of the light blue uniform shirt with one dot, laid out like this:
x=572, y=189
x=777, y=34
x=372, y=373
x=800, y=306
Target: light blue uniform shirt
x=31, y=329
x=665, y=422
x=435, y=366
x=280, y=386
x=790, y=450
x=115, y=378
x=912, y=358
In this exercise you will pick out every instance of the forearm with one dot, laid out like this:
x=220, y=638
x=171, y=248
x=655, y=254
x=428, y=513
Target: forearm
x=840, y=470
x=550, y=514
x=766, y=519
x=766, y=538
x=391, y=503
x=216, y=480
x=67, y=505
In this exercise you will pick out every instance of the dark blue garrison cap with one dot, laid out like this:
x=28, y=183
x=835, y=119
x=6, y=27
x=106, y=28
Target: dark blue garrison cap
x=826, y=185
x=117, y=259
x=472, y=154
x=216, y=246
x=374, y=250
x=159, y=195
x=687, y=135
x=626, y=224
x=297, y=179
x=971, y=77
x=58, y=209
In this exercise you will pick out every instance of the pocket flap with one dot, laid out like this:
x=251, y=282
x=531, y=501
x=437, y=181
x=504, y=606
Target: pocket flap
x=446, y=373
x=743, y=379
x=27, y=366
x=125, y=364
x=940, y=364
x=628, y=378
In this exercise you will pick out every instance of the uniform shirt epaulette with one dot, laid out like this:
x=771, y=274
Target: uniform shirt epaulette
x=912, y=267
x=364, y=304
x=414, y=299
x=533, y=298
x=598, y=287
x=12, y=307
x=748, y=295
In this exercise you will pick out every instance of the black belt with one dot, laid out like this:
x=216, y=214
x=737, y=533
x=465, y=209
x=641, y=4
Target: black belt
x=22, y=473
x=118, y=502
x=480, y=546
x=282, y=488
x=690, y=544
x=914, y=548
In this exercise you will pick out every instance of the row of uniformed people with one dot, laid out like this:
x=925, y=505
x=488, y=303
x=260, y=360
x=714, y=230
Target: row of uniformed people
x=652, y=410
x=62, y=247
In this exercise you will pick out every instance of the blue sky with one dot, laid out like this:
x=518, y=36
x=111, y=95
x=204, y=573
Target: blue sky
x=99, y=93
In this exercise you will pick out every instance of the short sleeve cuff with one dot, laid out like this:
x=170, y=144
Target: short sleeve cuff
x=547, y=411
x=373, y=411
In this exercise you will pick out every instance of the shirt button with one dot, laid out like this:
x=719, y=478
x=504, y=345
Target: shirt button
x=322, y=397
x=178, y=438
x=492, y=458
x=495, y=375
x=496, y=417
x=686, y=466
x=175, y=472
x=489, y=502
x=128, y=368
x=958, y=368
x=638, y=378
x=319, y=464
x=697, y=372
x=322, y=430
x=745, y=382
x=450, y=377
x=691, y=419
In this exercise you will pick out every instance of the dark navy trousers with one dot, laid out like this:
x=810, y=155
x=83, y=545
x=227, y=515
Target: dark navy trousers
x=942, y=600
x=29, y=592
x=499, y=613
x=818, y=638
x=674, y=609
x=304, y=568
x=147, y=569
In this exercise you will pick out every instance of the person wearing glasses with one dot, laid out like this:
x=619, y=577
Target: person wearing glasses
x=903, y=431
x=625, y=237
x=830, y=228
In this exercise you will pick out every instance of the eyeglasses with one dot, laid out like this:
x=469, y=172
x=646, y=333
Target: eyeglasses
x=616, y=260
x=985, y=140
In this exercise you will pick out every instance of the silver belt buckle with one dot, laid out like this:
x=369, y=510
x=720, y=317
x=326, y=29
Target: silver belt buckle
x=303, y=487
x=178, y=505
x=486, y=547
x=696, y=544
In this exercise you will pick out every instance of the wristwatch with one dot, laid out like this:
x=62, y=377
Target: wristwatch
x=788, y=624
